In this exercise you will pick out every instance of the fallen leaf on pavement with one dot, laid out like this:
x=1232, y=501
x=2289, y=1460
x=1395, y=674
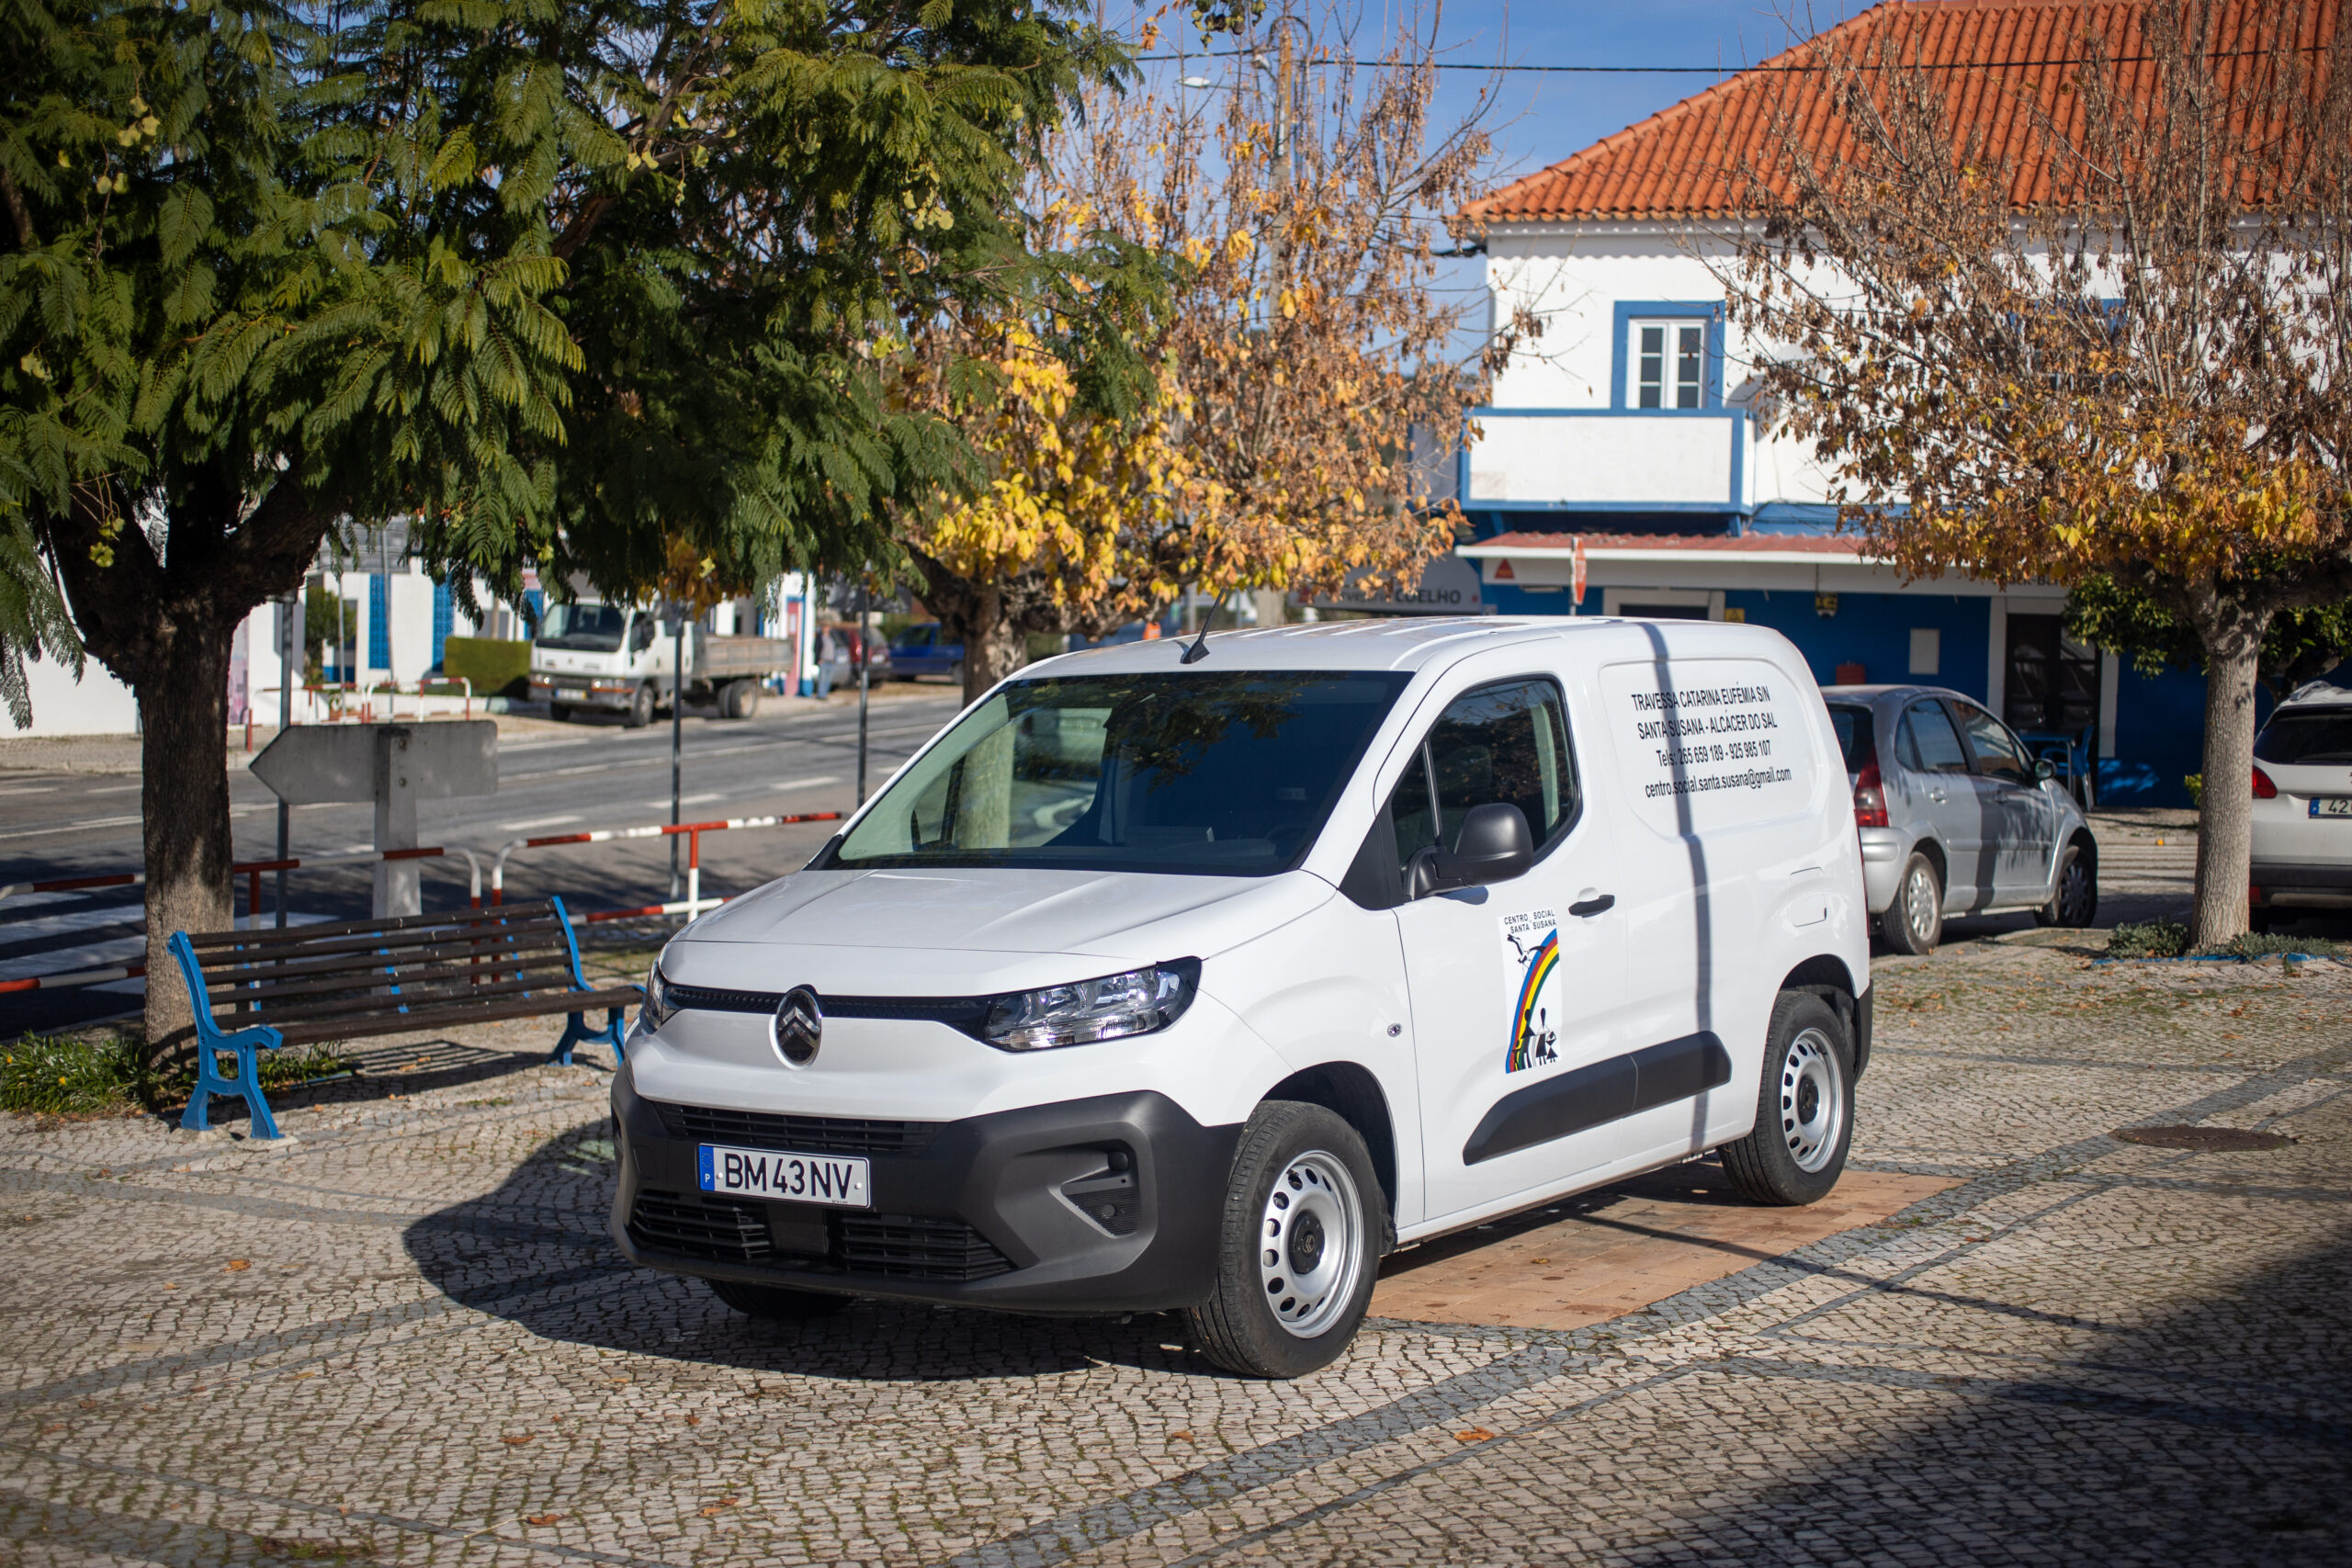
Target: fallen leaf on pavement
x=1475, y=1435
x=543, y=1518
x=719, y=1507
x=239, y=1265
x=518, y=1443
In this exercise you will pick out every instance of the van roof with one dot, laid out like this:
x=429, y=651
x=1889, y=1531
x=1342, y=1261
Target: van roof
x=1409, y=643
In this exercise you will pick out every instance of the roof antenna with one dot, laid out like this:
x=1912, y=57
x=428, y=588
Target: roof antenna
x=1200, y=644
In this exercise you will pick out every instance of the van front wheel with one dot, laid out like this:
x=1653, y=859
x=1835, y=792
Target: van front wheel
x=1805, y=1108
x=1304, y=1223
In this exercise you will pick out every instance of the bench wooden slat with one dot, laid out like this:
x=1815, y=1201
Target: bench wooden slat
x=488, y=1012
x=264, y=997
x=260, y=978
x=357, y=959
x=271, y=936
x=360, y=945
x=392, y=1001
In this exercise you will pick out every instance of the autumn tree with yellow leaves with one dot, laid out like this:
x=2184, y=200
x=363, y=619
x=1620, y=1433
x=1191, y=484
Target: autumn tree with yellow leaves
x=2115, y=343
x=1307, y=369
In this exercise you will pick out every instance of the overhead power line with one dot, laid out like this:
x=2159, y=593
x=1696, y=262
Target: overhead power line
x=1743, y=70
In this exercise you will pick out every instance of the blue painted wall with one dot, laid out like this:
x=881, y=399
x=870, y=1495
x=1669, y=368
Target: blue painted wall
x=443, y=618
x=379, y=622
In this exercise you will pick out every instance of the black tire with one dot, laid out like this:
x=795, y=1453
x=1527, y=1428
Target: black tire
x=2073, y=897
x=1805, y=1108
x=2262, y=922
x=778, y=1302
x=1914, y=923
x=745, y=700
x=560, y=712
x=1244, y=1326
x=640, y=709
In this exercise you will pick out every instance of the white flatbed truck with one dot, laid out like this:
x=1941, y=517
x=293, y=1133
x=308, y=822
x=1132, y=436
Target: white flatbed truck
x=619, y=659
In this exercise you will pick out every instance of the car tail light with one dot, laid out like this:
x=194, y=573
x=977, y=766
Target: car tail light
x=2253, y=894
x=2263, y=788
x=1870, y=797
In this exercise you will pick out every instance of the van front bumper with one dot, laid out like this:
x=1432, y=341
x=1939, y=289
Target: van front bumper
x=1102, y=1206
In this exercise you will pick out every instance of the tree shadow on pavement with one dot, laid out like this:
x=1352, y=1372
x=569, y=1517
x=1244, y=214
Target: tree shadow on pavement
x=2220, y=1430
x=537, y=1253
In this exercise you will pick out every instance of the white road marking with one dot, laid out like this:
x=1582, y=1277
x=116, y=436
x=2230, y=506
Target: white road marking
x=539, y=822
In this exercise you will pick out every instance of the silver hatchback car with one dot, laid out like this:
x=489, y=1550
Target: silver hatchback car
x=1956, y=816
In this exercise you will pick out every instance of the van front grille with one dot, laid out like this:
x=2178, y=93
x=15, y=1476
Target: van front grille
x=714, y=1230
x=801, y=1134
x=913, y=1247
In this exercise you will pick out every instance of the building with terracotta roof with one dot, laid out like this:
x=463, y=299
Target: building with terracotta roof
x=1628, y=422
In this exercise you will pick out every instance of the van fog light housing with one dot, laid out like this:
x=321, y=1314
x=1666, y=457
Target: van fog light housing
x=1113, y=1008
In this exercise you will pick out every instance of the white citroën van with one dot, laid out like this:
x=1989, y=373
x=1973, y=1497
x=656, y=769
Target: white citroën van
x=1157, y=984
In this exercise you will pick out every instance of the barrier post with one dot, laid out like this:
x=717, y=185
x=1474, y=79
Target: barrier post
x=694, y=872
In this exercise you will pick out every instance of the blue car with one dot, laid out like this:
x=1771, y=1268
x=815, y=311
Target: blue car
x=918, y=651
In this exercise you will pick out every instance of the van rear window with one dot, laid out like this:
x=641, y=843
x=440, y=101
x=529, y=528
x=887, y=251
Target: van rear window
x=1221, y=774
x=1855, y=737
x=2307, y=735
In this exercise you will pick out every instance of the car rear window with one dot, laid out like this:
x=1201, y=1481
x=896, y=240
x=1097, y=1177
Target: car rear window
x=1855, y=736
x=2306, y=734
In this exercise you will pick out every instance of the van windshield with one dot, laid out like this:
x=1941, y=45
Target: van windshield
x=589, y=628
x=1227, y=775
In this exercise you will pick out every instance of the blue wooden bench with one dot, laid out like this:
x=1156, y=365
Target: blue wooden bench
x=257, y=990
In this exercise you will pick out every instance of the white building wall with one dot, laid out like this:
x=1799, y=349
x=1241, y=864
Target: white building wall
x=98, y=704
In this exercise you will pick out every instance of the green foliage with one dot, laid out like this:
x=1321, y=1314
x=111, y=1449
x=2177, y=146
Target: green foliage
x=2300, y=644
x=2264, y=944
x=2195, y=784
x=33, y=619
x=494, y=666
x=71, y=1075
x=2148, y=939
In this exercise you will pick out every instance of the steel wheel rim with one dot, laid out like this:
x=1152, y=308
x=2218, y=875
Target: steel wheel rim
x=1813, y=1100
x=1919, y=903
x=1313, y=1216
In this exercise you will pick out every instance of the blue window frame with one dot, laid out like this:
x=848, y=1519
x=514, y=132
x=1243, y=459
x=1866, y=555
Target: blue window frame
x=379, y=622
x=1669, y=357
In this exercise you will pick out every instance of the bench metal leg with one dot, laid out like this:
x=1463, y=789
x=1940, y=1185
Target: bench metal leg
x=577, y=1032
x=246, y=1086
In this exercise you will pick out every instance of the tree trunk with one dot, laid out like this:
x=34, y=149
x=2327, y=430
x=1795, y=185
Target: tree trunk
x=2232, y=638
x=184, y=805
x=993, y=647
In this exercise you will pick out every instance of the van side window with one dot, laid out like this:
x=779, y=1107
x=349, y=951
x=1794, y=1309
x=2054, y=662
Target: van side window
x=1998, y=753
x=1505, y=742
x=1929, y=743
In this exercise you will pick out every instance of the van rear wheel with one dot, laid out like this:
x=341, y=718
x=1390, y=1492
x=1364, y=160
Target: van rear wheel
x=779, y=1303
x=1805, y=1108
x=1305, y=1225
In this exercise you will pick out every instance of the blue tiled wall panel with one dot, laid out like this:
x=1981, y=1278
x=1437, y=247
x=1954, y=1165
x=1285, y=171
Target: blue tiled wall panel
x=1873, y=630
x=442, y=620
x=380, y=621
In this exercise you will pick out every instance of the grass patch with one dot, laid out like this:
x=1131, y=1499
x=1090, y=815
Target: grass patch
x=2148, y=939
x=63, y=1075
x=2263, y=945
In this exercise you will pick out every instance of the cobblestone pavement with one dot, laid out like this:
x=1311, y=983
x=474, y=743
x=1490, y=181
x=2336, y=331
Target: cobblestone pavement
x=406, y=1339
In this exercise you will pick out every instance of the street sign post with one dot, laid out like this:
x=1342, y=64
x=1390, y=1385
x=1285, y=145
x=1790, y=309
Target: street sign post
x=393, y=765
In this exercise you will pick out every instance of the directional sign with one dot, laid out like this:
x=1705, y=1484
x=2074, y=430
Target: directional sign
x=313, y=764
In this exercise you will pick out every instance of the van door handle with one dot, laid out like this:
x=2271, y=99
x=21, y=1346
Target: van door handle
x=1586, y=908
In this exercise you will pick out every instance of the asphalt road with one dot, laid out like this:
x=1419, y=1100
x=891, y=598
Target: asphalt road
x=794, y=757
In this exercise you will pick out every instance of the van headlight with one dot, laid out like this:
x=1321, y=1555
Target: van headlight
x=657, y=1009
x=1113, y=1008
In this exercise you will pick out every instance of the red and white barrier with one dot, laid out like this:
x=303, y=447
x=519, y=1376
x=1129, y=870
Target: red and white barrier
x=694, y=903
x=78, y=978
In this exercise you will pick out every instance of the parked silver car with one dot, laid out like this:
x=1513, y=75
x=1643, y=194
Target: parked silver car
x=1956, y=817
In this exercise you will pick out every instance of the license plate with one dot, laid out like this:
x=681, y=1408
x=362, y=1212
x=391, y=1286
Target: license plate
x=780, y=1176
x=2332, y=805
x=572, y=696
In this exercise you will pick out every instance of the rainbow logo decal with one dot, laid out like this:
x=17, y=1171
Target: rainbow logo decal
x=1526, y=1025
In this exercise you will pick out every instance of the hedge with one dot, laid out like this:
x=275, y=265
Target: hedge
x=496, y=668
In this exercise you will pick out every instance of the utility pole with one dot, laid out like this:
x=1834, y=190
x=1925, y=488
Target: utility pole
x=290, y=643
x=865, y=658
x=677, y=738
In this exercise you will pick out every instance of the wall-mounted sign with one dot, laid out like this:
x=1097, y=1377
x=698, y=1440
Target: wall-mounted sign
x=1448, y=586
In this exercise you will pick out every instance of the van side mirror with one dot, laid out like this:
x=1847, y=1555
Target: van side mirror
x=1495, y=845
x=2044, y=770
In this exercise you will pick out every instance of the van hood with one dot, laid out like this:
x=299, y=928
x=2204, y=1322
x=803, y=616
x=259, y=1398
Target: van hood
x=892, y=916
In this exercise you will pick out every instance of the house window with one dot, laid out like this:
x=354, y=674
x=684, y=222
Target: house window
x=1669, y=362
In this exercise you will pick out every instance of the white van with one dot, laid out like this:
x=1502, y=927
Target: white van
x=1158, y=984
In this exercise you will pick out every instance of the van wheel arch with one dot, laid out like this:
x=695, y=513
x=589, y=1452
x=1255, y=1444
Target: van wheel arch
x=1351, y=1092
x=1827, y=977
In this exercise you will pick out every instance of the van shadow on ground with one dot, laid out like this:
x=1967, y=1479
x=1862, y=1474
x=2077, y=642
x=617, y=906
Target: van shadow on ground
x=536, y=1253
